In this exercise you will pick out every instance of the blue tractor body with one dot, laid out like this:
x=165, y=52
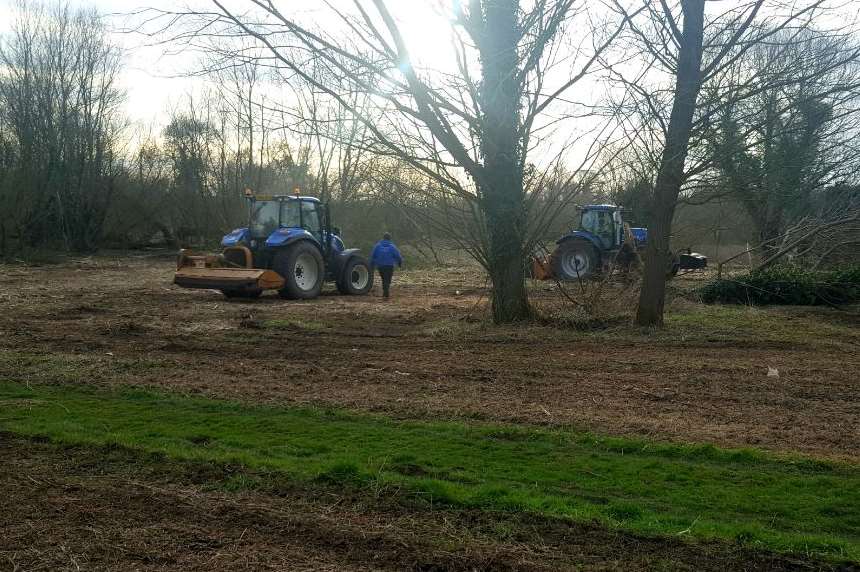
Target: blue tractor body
x=602, y=238
x=288, y=245
x=236, y=237
x=640, y=235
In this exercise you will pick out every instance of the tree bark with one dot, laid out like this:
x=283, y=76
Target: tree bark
x=670, y=175
x=501, y=191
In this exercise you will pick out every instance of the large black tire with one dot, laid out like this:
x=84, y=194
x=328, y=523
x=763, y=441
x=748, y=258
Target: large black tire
x=301, y=265
x=250, y=294
x=575, y=260
x=356, y=277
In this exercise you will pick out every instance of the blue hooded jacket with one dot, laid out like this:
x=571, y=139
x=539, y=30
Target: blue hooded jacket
x=385, y=254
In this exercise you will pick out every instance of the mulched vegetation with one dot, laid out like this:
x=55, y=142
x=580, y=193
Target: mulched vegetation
x=429, y=352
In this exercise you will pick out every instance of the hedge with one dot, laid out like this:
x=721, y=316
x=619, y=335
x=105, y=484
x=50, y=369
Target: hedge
x=788, y=285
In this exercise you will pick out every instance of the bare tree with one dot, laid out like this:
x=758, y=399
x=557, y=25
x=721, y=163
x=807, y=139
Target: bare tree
x=469, y=128
x=60, y=106
x=777, y=150
x=698, y=50
x=670, y=174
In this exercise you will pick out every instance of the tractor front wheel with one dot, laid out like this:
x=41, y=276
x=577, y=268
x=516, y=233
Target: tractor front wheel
x=356, y=278
x=575, y=260
x=302, y=268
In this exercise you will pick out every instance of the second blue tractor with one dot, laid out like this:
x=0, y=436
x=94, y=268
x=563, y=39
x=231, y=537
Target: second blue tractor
x=603, y=238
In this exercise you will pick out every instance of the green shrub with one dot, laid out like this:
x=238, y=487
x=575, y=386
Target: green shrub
x=789, y=285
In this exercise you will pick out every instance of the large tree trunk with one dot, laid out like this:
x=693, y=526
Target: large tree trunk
x=502, y=188
x=506, y=258
x=671, y=173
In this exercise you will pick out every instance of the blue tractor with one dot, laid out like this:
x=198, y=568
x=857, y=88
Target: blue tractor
x=602, y=238
x=288, y=246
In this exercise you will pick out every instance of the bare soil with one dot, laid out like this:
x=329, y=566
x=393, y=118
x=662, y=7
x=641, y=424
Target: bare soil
x=428, y=351
x=111, y=509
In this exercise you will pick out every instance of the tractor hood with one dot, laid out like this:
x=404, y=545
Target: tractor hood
x=235, y=237
x=284, y=235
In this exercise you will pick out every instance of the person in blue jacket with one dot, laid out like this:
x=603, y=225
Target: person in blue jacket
x=384, y=256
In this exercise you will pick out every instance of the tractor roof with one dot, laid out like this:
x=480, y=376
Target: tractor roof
x=604, y=207
x=285, y=198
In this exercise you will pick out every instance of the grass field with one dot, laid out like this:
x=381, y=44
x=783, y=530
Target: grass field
x=415, y=435
x=742, y=496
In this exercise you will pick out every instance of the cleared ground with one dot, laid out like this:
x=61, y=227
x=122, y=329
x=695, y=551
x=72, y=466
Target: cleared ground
x=428, y=353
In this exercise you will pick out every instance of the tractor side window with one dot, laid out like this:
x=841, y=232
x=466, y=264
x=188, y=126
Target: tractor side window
x=310, y=217
x=290, y=214
x=605, y=228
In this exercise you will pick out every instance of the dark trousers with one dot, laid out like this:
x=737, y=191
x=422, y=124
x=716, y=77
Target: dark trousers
x=386, y=272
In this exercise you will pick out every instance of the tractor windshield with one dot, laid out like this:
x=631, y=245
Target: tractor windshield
x=264, y=217
x=599, y=223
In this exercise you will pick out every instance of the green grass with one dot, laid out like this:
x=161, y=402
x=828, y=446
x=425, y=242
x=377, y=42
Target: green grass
x=700, y=491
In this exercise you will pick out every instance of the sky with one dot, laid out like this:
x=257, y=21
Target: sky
x=155, y=78
x=148, y=77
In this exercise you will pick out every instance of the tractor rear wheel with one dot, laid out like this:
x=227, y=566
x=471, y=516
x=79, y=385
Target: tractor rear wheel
x=302, y=268
x=575, y=260
x=356, y=277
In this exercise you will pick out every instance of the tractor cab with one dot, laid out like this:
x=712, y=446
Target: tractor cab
x=264, y=217
x=274, y=220
x=269, y=214
x=605, y=228
x=604, y=223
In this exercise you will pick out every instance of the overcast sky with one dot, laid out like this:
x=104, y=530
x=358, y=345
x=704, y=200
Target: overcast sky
x=154, y=77
x=146, y=74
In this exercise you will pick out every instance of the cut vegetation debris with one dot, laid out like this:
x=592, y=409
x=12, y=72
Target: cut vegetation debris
x=785, y=504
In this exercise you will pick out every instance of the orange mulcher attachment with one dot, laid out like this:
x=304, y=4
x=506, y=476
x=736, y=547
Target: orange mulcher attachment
x=229, y=272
